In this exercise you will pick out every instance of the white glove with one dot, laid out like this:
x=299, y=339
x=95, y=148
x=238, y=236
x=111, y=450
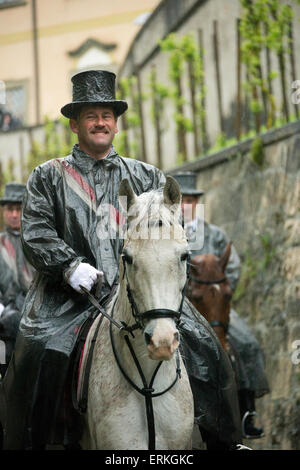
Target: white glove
x=84, y=275
x=1, y=308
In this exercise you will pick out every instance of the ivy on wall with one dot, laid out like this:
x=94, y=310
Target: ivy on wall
x=265, y=26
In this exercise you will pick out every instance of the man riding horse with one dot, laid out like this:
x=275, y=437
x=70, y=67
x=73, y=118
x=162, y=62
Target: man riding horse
x=68, y=203
x=208, y=238
x=15, y=272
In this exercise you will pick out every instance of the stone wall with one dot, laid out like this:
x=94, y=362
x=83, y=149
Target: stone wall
x=259, y=208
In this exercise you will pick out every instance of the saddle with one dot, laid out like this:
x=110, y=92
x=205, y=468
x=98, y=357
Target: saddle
x=82, y=358
x=81, y=365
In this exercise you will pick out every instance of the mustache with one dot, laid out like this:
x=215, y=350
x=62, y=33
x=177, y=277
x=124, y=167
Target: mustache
x=99, y=128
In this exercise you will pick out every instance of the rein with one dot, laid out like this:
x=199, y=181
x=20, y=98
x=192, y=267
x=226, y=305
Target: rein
x=147, y=391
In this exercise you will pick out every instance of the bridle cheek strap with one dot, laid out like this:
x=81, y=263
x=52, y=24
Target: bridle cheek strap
x=219, y=323
x=153, y=313
x=207, y=283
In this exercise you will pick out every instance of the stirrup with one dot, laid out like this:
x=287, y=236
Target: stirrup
x=248, y=436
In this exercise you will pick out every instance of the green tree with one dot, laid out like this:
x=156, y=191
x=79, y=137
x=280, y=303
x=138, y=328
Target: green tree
x=158, y=94
x=265, y=25
x=175, y=47
x=127, y=142
x=58, y=141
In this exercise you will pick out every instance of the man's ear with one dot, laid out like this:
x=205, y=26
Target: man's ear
x=116, y=126
x=73, y=125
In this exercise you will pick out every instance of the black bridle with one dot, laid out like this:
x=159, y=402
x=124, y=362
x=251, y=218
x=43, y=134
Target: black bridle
x=209, y=283
x=147, y=390
x=154, y=313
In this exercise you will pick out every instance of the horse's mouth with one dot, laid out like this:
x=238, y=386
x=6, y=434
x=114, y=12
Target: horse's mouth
x=163, y=353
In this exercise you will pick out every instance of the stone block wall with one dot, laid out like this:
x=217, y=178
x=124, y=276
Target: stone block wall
x=259, y=208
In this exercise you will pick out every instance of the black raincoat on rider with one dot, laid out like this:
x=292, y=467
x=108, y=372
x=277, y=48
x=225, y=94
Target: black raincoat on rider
x=67, y=204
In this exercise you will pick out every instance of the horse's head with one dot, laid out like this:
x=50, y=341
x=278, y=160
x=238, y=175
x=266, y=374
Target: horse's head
x=153, y=266
x=209, y=290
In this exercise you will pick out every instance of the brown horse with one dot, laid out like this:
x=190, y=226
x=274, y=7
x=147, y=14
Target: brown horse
x=210, y=292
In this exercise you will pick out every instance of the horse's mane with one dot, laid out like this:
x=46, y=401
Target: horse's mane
x=150, y=212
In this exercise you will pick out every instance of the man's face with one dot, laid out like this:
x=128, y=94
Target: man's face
x=12, y=215
x=96, y=127
x=188, y=207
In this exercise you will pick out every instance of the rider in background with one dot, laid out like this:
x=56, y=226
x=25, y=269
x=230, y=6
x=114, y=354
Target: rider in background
x=252, y=379
x=15, y=271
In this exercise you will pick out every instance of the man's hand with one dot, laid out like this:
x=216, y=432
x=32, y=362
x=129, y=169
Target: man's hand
x=84, y=275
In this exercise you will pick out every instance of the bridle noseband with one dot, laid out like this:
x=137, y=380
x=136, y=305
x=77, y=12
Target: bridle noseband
x=199, y=281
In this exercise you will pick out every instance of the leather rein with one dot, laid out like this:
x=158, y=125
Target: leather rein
x=147, y=390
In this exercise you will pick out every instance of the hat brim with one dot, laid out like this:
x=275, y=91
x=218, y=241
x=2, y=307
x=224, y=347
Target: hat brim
x=192, y=192
x=70, y=109
x=10, y=201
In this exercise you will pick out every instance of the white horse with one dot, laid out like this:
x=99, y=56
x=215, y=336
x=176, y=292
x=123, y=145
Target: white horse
x=152, y=281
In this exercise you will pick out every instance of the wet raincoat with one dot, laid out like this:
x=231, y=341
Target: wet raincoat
x=14, y=268
x=64, y=222
x=251, y=363
x=15, y=278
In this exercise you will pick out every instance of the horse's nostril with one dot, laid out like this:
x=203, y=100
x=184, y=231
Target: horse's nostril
x=176, y=336
x=148, y=338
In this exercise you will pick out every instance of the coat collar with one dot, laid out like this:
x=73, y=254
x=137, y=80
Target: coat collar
x=87, y=163
x=11, y=231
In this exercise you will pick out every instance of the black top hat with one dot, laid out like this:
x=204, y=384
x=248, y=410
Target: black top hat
x=187, y=181
x=13, y=192
x=93, y=87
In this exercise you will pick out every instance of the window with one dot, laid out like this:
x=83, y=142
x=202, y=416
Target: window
x=93, y=54
x=11, y=3
x=13, y=108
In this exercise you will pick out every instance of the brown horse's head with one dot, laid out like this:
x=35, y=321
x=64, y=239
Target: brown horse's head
x=210, y=292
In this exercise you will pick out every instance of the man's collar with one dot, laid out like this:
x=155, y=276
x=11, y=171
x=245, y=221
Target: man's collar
x=194, y=223
x=191, y=225
x=10, y=230
x=88, y=163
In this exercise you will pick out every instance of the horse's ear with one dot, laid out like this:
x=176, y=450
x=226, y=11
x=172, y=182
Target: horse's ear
x=125, y=190
x=172, y=193
x=225, y=256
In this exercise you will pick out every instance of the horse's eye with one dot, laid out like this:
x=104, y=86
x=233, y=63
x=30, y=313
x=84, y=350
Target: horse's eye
x=227, y=295
x=184, y=256
x=127, y=257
